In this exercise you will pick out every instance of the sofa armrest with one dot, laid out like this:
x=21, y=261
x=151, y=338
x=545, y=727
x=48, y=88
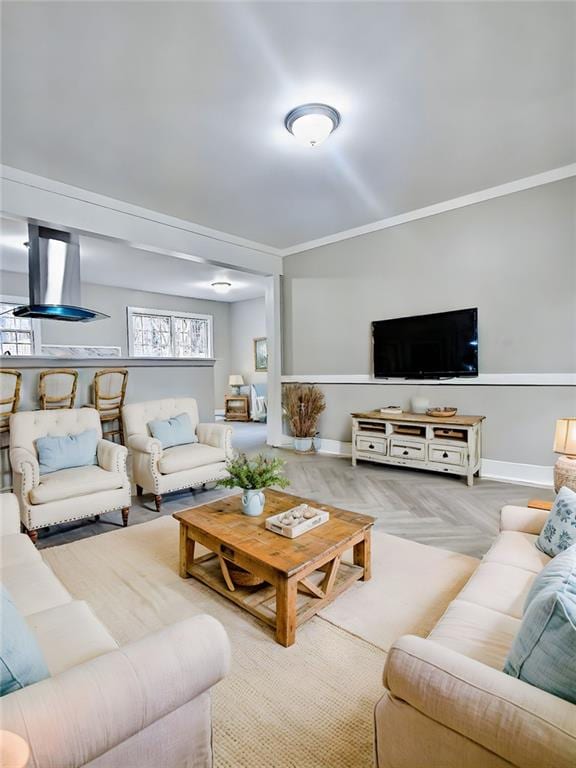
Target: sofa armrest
x=145, y=444
x=522, y=519
x=72, y=718
x=216, y=435
x=9, y=514
x=26, y=464
x=111, y=456
x=522, y=724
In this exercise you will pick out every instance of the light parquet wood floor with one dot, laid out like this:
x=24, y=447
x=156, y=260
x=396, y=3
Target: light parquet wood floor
x=433, y=509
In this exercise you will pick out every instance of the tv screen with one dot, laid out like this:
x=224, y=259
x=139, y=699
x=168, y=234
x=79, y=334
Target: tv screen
x=427, y=346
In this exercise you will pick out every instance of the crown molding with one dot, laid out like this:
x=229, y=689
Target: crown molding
x=529, y=182
x=41, y=183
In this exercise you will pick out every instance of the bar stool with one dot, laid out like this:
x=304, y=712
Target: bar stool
x=57, y=388
x=109, y=391
x=10, y=383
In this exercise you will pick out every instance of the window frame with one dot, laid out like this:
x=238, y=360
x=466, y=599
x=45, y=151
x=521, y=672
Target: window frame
x=19, y=301
x=172, y=314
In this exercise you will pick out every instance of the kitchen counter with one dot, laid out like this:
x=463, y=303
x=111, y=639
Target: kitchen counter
x=12, y=361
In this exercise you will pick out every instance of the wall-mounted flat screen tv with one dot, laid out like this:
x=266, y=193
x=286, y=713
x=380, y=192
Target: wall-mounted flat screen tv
x=441, y=345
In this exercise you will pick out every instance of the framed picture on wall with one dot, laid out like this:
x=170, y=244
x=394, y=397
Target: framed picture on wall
x=261, y=354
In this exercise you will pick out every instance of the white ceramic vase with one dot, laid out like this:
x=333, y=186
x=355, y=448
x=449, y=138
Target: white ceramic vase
x=302, y=444
x=253, y=502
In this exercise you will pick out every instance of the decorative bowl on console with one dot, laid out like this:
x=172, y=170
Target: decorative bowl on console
x=442, y=413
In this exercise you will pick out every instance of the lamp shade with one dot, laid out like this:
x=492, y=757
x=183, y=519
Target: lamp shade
x=14, y=751
x=235, y=380
x=565, y=437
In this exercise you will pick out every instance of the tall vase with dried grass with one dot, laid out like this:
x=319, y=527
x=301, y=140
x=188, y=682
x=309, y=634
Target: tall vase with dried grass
x=303, y=404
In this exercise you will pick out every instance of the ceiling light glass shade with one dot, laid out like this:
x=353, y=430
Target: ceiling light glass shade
x=311, y=124
x=221, y=286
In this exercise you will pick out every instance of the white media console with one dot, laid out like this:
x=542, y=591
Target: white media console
x=450, y=444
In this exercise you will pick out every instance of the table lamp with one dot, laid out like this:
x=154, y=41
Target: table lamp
x=14, y=751
x=236, y=381
x=565, y=444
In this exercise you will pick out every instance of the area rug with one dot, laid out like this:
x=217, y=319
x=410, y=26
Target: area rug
x=310, y=705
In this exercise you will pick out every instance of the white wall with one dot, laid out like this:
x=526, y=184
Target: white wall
x=113, y=331
x=513, y=257
x=247, y=322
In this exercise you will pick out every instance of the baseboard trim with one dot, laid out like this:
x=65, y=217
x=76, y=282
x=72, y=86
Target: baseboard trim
x=537, y=475
x=522, y=474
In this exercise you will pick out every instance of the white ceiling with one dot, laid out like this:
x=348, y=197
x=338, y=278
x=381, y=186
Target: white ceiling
x=108, y=263
x=179, y=106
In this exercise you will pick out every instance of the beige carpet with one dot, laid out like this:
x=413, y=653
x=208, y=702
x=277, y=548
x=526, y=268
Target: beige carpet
x=309, y=706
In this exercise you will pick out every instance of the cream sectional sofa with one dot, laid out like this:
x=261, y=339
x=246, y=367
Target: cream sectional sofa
x=144, y=705
x=447, y=703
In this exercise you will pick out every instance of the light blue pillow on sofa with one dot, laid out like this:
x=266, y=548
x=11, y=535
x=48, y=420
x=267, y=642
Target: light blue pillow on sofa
x=21, y=660
x=544, y=650
x=68, y=451
x=175, y=431
x=559, y=531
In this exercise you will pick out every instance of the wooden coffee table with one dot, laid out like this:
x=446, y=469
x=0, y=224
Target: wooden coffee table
x=302, y=575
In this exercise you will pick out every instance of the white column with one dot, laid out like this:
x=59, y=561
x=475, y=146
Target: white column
x=274, y=333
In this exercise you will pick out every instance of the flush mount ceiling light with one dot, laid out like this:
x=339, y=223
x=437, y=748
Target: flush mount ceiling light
x=311, y=124
x=222, y=286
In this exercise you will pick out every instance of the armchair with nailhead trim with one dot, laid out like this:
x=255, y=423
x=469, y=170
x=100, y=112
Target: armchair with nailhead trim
x=67, y=494
x=159, y=471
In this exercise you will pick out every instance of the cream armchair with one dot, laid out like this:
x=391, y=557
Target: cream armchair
x=69, y=494
x=161, y=471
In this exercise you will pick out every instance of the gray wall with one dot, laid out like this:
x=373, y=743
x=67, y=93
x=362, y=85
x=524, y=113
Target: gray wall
x=113, y=331
x=513, y=257
x=247, y=322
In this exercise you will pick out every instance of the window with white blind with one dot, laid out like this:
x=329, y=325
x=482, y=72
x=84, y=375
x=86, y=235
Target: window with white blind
x=159, y=333
x=18, y=335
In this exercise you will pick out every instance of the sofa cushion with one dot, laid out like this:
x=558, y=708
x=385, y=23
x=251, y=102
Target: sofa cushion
x=544, y=650
x=21, y=660
x=477, y=632
x=70, y=483
x=559, y=531
x=65, y=451
x=183, y=457
x=177, y=430
x=69, y=635
x=17, y=549
x=517, y=549
x=500, y=587
x=33, y=587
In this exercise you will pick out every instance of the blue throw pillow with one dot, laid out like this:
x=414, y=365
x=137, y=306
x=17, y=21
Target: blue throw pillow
x=544, y=650
x=175, y=431
x=68, y=451
x=558, y=575
x=21, y=660
x=559, y=531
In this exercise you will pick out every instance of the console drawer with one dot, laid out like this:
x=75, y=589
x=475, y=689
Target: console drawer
x=403, y=449
x=371, y=445
x=447, y=454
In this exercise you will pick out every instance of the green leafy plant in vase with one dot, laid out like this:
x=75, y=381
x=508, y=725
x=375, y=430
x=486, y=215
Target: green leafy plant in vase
x=253, y=475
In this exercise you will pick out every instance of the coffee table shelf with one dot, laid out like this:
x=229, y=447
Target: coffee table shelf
x=301, y=575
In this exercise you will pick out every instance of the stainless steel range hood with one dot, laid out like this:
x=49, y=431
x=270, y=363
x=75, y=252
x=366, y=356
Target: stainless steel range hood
x=54, y=277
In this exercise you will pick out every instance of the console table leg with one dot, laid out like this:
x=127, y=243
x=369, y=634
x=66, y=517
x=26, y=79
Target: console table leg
x=286, y=590
x=362, y=555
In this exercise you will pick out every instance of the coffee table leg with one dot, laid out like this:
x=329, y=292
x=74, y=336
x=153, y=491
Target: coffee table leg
x=186, y=551
x=286, y=590
x=362, y=556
